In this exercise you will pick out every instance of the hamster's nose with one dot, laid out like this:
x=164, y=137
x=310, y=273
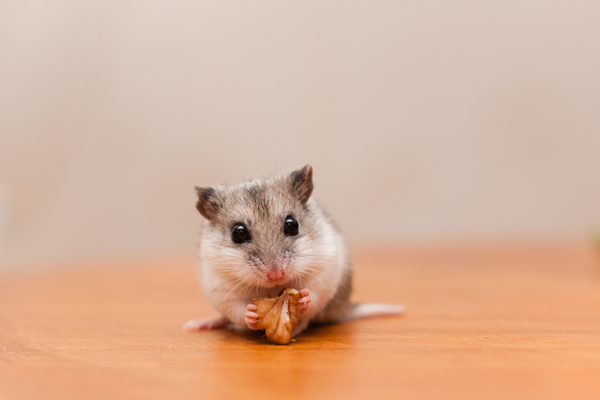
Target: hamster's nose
x=275, y=273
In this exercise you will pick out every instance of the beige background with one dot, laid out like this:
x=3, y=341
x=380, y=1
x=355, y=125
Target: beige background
x=425, y=120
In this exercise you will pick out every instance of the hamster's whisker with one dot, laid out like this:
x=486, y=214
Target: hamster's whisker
x=176, y=272
x=310, y=273
x=241, y=282
x=314, y=255
x=185, y=285
x=248, y=286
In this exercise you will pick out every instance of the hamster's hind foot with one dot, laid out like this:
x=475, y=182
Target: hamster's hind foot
x=205, y=323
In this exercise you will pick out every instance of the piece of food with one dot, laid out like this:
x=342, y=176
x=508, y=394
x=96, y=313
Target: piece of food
x=278, y=316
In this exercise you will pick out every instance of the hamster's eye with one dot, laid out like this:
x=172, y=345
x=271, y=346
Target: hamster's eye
x=290, y=227
x=240, y=234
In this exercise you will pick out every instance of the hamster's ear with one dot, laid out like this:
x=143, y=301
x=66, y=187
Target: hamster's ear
x=302, y=185
x=208, y=202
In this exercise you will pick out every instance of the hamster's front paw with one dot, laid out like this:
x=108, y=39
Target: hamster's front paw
x=304, y=301
x=251, y=316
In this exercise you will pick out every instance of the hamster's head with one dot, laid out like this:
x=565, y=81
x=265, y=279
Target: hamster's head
x=262, y=232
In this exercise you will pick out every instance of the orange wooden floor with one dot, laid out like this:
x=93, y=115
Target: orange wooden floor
x=512, y=322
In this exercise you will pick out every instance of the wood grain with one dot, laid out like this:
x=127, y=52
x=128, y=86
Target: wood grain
x=516, y=322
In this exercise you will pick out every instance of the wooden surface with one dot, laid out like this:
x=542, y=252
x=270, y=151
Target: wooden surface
x=512, y=322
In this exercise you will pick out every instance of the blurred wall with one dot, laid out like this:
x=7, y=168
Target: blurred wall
x=424, y=120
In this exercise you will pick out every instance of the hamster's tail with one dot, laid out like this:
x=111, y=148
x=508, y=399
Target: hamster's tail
x=368, y=310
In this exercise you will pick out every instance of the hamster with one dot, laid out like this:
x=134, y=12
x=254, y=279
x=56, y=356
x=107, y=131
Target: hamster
x=264, y=235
